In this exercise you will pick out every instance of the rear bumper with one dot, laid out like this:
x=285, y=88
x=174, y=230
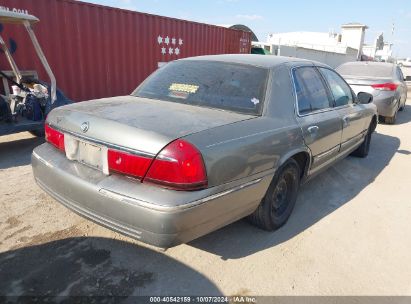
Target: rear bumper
x=386, y=106
x=160, y=222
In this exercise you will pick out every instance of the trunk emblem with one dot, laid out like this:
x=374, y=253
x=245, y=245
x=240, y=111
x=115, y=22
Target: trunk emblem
x=84, y=126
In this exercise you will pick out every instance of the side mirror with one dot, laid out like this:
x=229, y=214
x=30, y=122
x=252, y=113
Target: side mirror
x=364, y=97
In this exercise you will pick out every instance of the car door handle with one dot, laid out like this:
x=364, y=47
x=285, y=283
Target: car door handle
x=312, y=129
x=346, y=121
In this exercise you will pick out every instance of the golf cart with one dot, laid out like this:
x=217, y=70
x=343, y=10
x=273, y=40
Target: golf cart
x=26, y=106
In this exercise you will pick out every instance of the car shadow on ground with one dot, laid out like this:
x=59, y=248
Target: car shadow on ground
x=18, y=152
x=80, y=266
x=404, y=116
x=321, y=196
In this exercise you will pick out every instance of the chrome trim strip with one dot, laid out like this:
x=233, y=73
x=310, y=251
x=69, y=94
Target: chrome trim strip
x=133, y=201
x=326, y=153
x=36, y=155
x=107, y=144
x=352, y=139
x=42, y=160
x=170, y=159
x=247, y=136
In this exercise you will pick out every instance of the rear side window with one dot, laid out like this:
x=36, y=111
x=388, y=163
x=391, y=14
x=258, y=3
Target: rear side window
x=400, y=75
x=227, y=86
x=340, y=90
x=311, y=92
x=366, y=70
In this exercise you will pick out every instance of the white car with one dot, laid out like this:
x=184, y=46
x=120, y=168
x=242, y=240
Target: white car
x=405, y=63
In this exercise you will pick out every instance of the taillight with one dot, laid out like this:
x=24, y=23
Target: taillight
x=128, y=164
x=389, y=86
x=54, y=137
x=178, y=166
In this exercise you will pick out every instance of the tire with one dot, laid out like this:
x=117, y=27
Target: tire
x=391, y=120
x=401, y=108
x=364, y=148
x=278, y=203
x=38, y=133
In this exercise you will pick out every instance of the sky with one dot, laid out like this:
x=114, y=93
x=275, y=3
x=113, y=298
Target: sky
x=264, y=16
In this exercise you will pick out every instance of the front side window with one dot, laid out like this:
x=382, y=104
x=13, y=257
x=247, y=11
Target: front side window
x=311, y=93
x=341, y=91
x=227, y=86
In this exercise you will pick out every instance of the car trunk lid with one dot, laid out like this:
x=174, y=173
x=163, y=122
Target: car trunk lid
x=137, y=124
x=364, y=84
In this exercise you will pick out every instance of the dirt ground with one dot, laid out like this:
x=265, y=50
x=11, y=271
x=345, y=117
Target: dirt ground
x=350, y=234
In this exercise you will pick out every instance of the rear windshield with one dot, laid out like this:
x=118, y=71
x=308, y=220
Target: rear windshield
x=227, y=86
x=366, y=70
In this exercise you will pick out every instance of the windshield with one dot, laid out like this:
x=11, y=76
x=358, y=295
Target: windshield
x=227, y=86
x=366, y=70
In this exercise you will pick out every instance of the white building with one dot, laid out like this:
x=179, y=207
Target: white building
x=333, y=47
x=311, y=40
x=379, y=50
x=386, y=52
x=352, y=36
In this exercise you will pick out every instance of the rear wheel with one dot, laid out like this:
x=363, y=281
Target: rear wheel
x=278, y=203
x=391, y=120
x=364, y=148
x=362, y=151
x=401, y=106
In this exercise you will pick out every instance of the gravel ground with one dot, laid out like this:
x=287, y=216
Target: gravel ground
x=350, y=234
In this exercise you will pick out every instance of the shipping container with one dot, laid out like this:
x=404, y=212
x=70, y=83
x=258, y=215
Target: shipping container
x=97, y=51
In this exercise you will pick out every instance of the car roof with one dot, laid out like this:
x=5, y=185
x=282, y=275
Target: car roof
x=266, y=61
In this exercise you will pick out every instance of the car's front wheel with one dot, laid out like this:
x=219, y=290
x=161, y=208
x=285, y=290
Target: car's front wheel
x=278, y=203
